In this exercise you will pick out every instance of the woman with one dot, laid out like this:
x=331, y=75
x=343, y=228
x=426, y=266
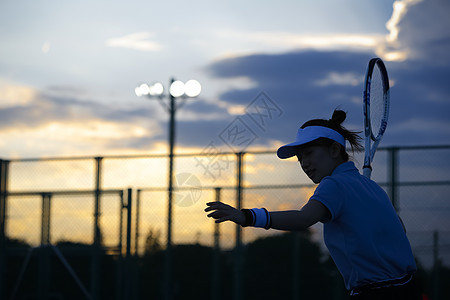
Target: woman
x=362, y=231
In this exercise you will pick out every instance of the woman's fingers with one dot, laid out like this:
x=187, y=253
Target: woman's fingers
x=217, y=206
x=222, y=212
x=219, y=211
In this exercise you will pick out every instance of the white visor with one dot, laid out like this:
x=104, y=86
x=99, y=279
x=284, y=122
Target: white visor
x=309, y=134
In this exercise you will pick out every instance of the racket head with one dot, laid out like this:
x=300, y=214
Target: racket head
x=376, y=99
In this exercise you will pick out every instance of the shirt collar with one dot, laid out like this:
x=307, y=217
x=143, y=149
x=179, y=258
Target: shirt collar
x=345, y=167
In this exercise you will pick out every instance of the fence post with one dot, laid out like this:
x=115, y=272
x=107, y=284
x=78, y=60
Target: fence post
x=215, y=280
x=119, y=277
x=393, y=177
x=45, y=220
x=128, y=270
x=136, y=282
x=95, y=263
x=4, y=167
x=436, y=265
x=44, y=249
x=238, y=247
x=137, y=227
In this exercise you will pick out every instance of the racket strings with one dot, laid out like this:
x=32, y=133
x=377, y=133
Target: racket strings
x=377, y=106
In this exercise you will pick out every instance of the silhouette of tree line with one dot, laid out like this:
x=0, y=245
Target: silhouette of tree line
x=283, y=266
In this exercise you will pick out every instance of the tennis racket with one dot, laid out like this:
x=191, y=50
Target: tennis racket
x=376, y=110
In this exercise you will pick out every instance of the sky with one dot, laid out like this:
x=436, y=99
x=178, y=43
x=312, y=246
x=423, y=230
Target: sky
x=68, y=71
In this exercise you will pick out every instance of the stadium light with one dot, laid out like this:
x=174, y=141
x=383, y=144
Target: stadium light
x=177, y=89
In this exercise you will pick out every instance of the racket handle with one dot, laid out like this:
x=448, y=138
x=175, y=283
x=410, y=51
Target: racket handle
x=367, y=171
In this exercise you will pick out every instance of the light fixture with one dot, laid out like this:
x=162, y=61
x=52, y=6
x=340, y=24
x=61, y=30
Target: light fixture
x=192, y=88
x=177, y=89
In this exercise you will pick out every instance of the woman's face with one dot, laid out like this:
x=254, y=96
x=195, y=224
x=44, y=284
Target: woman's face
x=318, y=161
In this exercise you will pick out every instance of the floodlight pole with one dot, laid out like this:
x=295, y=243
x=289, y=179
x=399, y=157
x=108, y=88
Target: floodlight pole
x=172, y=110
x=168, y=271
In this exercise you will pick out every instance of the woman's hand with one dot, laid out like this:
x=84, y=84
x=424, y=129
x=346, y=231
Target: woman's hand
x=223, y=212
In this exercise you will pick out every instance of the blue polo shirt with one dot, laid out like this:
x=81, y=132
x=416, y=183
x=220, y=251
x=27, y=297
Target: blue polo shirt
x=364, y=236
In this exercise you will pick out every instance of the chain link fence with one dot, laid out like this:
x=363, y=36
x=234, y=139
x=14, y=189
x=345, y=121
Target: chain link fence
x=108, y=219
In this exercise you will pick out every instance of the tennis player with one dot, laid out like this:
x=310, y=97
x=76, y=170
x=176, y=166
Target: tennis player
x=362, y=231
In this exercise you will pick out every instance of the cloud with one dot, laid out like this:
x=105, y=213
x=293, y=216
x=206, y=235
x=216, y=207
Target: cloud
x=305, y=84
x=73, y=138
x=15, y=95
x=345, y=78
x=294, y=76
x=137, y=41
x=311, y=84
x=287, y=40
x=52, y=125
x=62, y=119
x=197, y=110
x=422, y=125
x=419, y=31
x=45, y=47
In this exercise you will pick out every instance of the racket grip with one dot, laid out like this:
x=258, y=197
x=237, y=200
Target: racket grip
x=367, y=171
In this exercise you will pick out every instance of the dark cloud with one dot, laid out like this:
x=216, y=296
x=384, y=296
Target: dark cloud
x=199, y=106
x=292, y=80
x=419, y=93
x=311, y=84
x=300, y=84
x=52, y=106
x=420, y=105
x=200, y=133
x=424, y=32
x=303, y=85
x=44, y=109
x=293, y=73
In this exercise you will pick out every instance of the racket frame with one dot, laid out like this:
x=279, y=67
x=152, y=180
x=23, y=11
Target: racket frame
x=369, y=135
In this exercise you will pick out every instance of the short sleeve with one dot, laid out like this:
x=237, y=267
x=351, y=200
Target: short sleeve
x=329, y=194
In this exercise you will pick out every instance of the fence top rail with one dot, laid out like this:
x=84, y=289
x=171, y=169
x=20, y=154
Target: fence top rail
x=417, y=147
x=164, y=189
x=281, y=186
x=246, y=187
x=64, y=193
x=165, y=155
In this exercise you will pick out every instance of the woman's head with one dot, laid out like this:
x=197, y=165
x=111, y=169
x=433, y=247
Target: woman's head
x=334, y=123
x=321, y=132
x=320, y=145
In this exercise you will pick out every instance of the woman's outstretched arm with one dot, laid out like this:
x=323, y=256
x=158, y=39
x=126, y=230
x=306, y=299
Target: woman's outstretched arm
x=291, y=220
